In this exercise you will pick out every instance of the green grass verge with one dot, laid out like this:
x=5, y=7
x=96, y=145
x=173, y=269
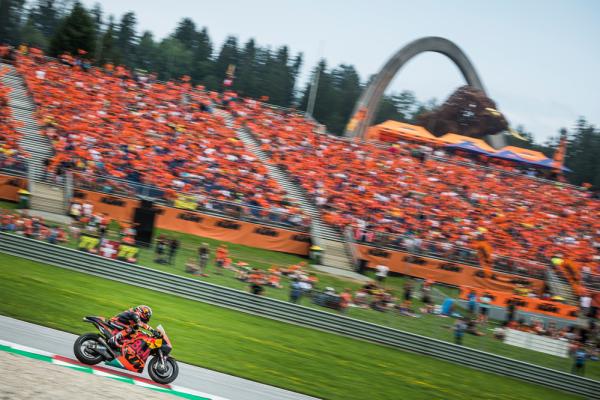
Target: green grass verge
x=427, y=325
x=299, y=359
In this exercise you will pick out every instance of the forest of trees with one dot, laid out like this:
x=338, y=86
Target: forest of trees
x=58, y=26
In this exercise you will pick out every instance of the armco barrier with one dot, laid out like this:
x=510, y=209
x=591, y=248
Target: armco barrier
x=291, y=313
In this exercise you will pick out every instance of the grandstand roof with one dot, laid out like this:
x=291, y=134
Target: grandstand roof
x=453, y=138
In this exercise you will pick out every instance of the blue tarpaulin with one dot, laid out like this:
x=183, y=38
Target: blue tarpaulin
x=512, y=156
x=468, y=146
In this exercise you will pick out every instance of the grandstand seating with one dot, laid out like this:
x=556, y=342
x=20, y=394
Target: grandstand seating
x=164, y=135
x=391, y=190
x=175, y=139
x=12, y=156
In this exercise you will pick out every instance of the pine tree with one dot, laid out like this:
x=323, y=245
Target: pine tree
x=582, y=154
x=202, y=62
x=31, y=36
x=97, y=15
x=145, y=55
x=186, y=33
x=11, y=16
x=279, y=77
x=126, y=39
x=75, y=32
x=45, y=17
x=173, y=59
x=247, y=75
x=108, y=46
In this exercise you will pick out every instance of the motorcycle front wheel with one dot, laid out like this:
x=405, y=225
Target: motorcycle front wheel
x=84, y=349
x=160, y=374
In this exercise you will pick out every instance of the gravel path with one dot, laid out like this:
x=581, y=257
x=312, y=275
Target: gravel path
x=25, y=378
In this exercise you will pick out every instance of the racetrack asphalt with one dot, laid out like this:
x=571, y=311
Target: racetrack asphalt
x=191, y=377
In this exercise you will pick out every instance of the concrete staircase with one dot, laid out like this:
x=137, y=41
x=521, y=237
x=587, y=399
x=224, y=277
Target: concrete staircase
x=335, y=252
x=560, y=287
x=45, y=196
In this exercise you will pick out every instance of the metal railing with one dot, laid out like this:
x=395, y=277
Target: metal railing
x=292, y=313
x=195, y=202
x=450, y=252
x=208, y=205
x=350, y=244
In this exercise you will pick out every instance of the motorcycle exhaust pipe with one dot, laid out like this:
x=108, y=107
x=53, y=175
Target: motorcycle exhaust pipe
x=105, y=350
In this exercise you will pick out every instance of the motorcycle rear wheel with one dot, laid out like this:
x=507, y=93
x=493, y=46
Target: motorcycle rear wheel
x=166, y=376
x=83, y=353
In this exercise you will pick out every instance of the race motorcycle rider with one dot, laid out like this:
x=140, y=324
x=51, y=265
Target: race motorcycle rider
x=130, y=320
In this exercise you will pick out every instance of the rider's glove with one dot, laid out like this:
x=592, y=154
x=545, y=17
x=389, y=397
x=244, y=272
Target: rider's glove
x=156, y=333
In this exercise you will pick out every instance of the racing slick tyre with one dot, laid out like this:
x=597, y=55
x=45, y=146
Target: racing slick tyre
x=84, y=349
x=166, y=375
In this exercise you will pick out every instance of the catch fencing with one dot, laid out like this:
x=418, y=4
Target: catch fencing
x=292, y=313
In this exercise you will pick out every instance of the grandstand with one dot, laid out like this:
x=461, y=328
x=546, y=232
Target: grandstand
x=427, y=207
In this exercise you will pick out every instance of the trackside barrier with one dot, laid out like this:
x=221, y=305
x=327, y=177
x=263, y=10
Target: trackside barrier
x=291, y=313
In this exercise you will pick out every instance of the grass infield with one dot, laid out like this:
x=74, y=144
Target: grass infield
x=305, y=360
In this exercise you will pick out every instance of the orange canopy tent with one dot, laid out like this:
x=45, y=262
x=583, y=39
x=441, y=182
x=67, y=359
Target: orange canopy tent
x=453, y=138
x=392, y=131
x=530, y=155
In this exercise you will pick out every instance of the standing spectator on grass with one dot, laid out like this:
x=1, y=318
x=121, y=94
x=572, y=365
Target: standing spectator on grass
x=511, y=309
x=295, y=290
x=75, y=211
x=484, y=308
x=459, y=331
x=472, y=302
x=256, y=280
x=161, y=246
x=203, y=256
x=88, y=209
x=408, y=288
x=173, y=247
x=426, y=296
x=585, y=302
x=579, y=364
x=221, y=256
x=103, y=224
x=381, y=272
x=345, y=300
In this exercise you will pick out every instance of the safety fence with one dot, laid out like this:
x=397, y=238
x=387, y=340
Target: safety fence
x=291, y=313
x=445, y=250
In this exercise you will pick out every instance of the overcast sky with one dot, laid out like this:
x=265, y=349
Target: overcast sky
x=538, y=59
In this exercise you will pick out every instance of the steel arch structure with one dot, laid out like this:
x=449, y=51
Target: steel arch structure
x=366, y=107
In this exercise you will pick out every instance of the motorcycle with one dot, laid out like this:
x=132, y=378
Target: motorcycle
x=92, y=348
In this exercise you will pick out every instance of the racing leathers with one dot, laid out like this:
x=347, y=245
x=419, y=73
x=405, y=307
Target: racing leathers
x=129, y=321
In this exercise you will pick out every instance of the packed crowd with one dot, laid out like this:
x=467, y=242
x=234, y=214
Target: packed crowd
x=11, y=155
x=168, y=136
x=404, y=190
x=21, y=223
x=175, y=138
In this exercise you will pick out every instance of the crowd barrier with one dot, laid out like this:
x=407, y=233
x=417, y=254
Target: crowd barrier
x=448, y=272
x=116, y=207
x=292, y=313
x=524, y=303
x=195, y=223
x=234, y=231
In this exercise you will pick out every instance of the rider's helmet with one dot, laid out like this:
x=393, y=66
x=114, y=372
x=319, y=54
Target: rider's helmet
x=144, y=312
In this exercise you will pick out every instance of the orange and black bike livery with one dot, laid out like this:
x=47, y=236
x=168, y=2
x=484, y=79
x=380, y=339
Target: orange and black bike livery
x=132, y=354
